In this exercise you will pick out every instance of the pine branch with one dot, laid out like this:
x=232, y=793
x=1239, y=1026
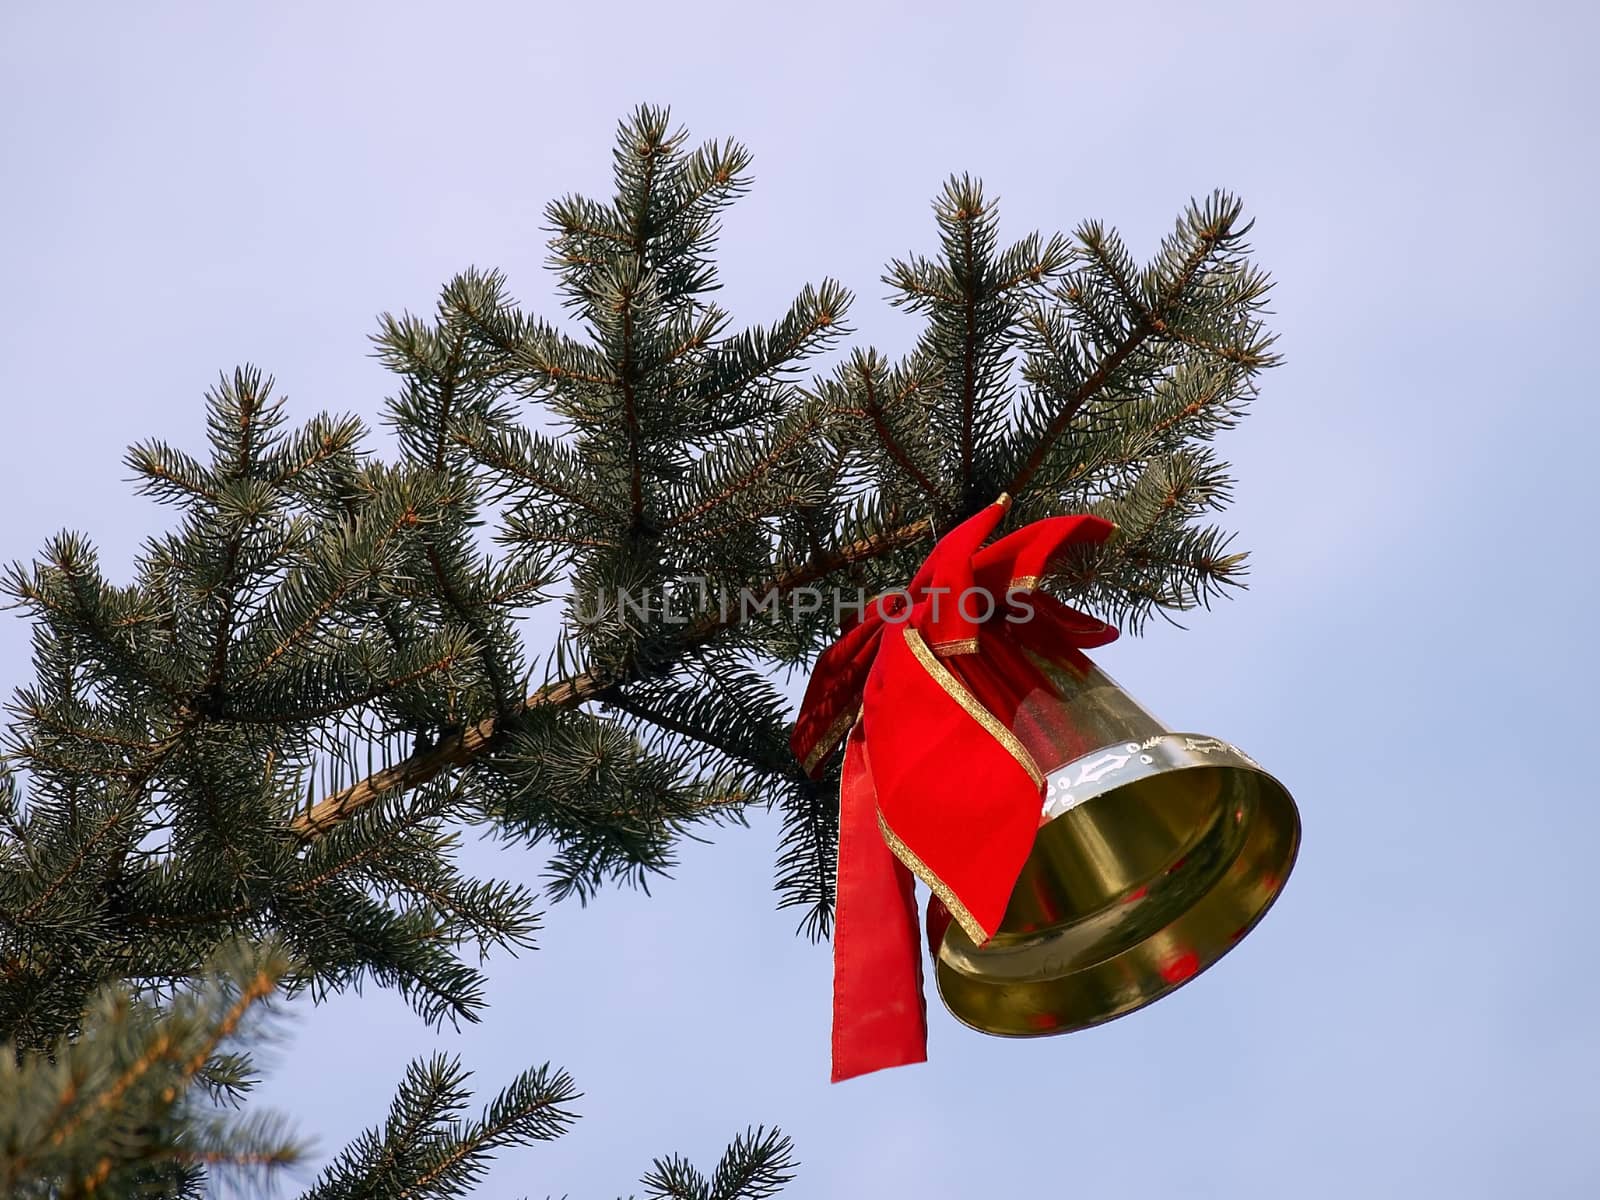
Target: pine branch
x=459, y=749
x=426, y=1152
x=755, y=1167
x=1151, y=322
x=114, y=1111
x=1085, y=392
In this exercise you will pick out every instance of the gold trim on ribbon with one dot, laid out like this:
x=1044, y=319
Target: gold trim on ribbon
x=956, y=646
x=936, y=885
x=941, y=675
x=829, y=741
x=958, y=692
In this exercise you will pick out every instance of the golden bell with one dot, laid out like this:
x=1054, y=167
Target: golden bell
x=1157, y=851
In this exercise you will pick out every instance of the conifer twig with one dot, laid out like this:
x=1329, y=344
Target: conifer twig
x=458, y=749
x=1148, y=325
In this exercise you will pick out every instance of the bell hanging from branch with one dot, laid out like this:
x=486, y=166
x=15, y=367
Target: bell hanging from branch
x=1156, y=853
x=1084, y=859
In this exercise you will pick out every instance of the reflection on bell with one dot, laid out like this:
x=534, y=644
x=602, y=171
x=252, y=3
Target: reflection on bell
x=1157, y=851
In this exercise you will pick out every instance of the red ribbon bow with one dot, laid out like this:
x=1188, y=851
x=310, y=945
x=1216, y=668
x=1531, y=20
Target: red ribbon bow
x=931, y=686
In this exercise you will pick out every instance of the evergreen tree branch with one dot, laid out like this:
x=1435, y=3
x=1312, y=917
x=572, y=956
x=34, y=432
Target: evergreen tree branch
x=755, y=1167
x=459, y=749
x=114, y=1112
x=1151, y=322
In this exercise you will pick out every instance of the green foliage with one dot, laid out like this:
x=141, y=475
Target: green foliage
x=316, y=678
x=756, y=1165
x=176, y=724
x=1059, y=372
x=426, y=1150
x=134, y=1105
x=140, y=1103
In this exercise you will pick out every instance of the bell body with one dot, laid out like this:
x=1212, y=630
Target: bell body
x=1157, y=851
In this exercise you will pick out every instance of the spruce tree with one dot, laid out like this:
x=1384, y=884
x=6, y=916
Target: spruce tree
x=242, y=774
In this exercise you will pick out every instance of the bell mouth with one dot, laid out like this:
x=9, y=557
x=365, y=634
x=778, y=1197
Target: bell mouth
x=1156, y=859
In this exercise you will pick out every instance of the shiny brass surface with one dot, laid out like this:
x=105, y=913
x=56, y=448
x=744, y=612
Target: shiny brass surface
x=1158, y=853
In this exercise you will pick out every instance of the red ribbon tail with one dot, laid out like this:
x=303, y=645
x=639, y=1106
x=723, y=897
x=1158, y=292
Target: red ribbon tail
x=879, y=1017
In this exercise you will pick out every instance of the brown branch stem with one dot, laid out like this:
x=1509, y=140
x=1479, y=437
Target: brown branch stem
x=460, y=748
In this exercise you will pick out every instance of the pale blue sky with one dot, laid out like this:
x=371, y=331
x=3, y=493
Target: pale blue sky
x=191, y=186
